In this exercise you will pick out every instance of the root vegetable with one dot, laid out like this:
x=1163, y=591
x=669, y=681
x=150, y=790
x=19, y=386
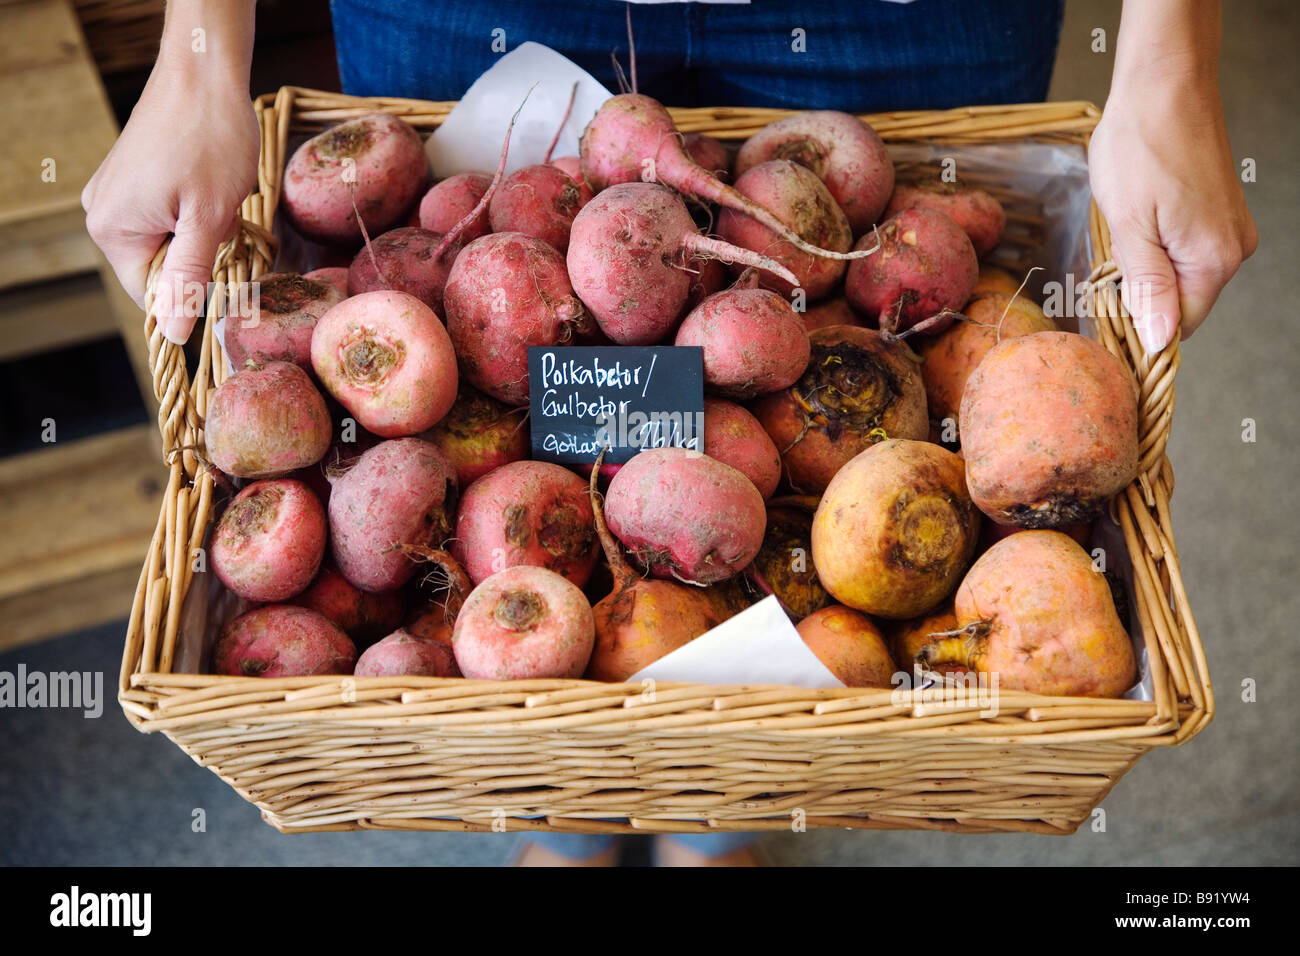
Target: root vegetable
x=281, y=640
x=526, y=512
x=844, y=152
x=539, y=201
x=363, y=616
x=799, y=199
x=402, y=260
x=753, y=342
x=925, y=267
x=448, y=202
x=850, y=645
x=397, y=493
x=685, y=515
x=1049, y=430
x=524, y=623
x=980, y=216
x=910, y=636
x=1034, y=611
x=479, y=434
x=571, y=165
x=995, y=279
x=388, y=360
x=709, y=154
x=858, y=389
x=337, y=276
x=734, y=437
x=834, y=311
x=403, y=654
x=632, y=138
x=641, y=619
x=278, y=328
x=895, y=529
x=508, y=291
x=376, y=160
x=629, y=255
x=266, y=421
x=269, y=542
x=784, y=564
x=952, y=355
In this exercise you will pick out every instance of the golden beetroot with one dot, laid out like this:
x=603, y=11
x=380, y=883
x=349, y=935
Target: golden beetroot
x=850, y=645
x=951, y=356
x=1036, y=612
x=784, y=565
x=909, y=637
x=857, y=390
x=895, y=529
x=1049, y=430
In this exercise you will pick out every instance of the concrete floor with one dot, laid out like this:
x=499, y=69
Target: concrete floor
x=76, y=791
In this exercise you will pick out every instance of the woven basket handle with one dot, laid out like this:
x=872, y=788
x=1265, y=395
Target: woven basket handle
x=179, y=420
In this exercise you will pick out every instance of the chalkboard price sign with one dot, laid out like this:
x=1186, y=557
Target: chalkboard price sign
x=622, y=398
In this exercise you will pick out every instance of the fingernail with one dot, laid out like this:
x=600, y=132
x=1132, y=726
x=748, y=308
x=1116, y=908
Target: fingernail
x=1155, y=332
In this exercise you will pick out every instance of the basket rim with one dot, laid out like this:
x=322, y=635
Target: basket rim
x=155, y=699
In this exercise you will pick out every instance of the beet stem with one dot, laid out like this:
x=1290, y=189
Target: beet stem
x=718, y=249
x=573, y=95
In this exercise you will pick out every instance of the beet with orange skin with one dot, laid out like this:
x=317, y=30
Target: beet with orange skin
x=834, y=311
x=278, y=328
x=398, y=493
x=524, y=623
x=642, y=619
x=784, y=564
x=401, y=260
x=451, y=200
x=925, y=265
x=526, y=512
x=269, y=542
x=909, y=637
x=539, y=201
x=734, y=437
x=994, y=279
x=1040, y=616
x=980, y=216
x=363, y=616
x=850, y=645
x=266, y=421
x=840, y=149
x=480, y=434
x=753, y=342
x=281, y=640
x=388, y=360
x=857, y=390
x=508, y=291
x=1056, y=452
x=895, y=529
x=952, y=355
x=685, y=515
x=376, y=160
x=798, y=198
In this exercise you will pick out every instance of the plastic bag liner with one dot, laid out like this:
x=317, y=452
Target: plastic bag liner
x=1045, y=191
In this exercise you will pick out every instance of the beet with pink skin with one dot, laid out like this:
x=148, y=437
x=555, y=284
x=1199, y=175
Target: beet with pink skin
x=397, y=493
x=403, y=654
x=266, y=421
x=709, y=153
x=377, y=161
x=278, y=327
x=976, y=211
x=844, y=152
x=526, y=512
x=480, y=434
x=629, y=259
x=269, y=542
x=363, y=616
x=388, y=360
x=448, y=202
x=281, y=640
x=685, y=515
x=798, y=198
x=925, y=266
x=508, y=291
x=571, y=165
x=337, y=276
x=734, y=437
x=401, y=260
x=524, y=623
x=539, y=201
x=753, y=342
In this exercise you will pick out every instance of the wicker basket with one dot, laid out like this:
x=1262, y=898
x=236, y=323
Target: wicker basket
x=569, y=755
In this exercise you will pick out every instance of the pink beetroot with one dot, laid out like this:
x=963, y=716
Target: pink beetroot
x=976, y=211
x=734, y=437
x=269, y=543
x=363, y=616
x=506, y=292
x=402, y=260
x=266, y=421
x=539, y=201
x=448, y=202
x=281, y=640
x=403, y=654
x=278, y=326
x=685, y=515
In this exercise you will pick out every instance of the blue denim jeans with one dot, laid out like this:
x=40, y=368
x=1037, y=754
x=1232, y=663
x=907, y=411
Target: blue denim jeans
x=854, y=55
x=583, y=846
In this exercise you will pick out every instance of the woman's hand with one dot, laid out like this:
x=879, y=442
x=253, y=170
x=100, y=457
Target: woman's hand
x=1164, y=176
x=183, y=164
